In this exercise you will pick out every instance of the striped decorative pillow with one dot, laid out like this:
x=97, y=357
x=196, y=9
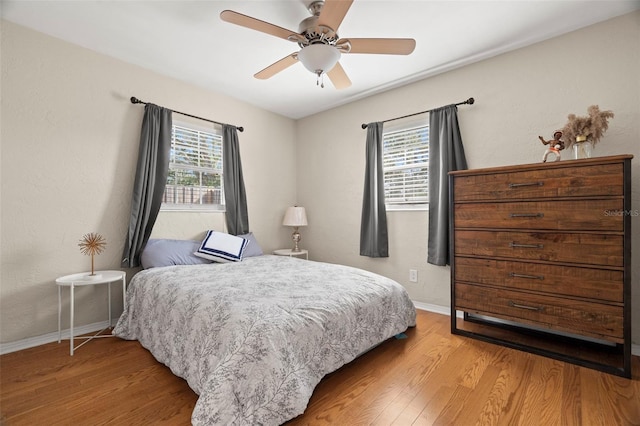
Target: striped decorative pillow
x=221, y=247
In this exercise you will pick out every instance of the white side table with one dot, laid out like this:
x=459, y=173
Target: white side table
x=291, y=253
x=84, y=279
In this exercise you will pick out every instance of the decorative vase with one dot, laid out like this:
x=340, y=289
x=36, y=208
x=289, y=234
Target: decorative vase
x=582, y=148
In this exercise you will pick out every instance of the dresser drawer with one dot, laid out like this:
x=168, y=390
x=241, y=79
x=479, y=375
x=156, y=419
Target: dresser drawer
x=592, y=215
x=603, y=284
x=575, y=181
x=573, y=316
x=573, y=248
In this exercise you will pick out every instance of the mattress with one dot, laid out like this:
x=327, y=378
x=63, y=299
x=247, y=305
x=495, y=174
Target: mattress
x=254, y=338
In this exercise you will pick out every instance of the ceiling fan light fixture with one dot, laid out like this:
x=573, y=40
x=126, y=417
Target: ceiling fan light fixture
x=320, y=45
x=319, y=58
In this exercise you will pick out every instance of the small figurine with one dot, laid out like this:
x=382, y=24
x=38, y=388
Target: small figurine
x=555, y=146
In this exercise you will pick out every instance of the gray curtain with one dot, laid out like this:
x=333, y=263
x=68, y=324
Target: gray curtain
x=235, y=197
x=446, y=154
x=150, y=181
x=374, y=240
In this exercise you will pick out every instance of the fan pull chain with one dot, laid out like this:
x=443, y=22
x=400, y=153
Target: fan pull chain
x=320, y=79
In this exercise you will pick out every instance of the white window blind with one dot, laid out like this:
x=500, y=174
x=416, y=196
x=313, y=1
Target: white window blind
x=195, y=178
x=406, y=166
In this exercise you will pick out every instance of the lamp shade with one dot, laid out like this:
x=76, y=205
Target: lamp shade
x=295, y=216
x=319, y=58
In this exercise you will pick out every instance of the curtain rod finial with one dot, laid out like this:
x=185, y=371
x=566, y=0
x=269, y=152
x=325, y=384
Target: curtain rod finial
x=240, y=129
x=364, y=126
x=135, y=100
x=470, y=101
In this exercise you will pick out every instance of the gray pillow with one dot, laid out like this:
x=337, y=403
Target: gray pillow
x=164, y=252
x=253, y=248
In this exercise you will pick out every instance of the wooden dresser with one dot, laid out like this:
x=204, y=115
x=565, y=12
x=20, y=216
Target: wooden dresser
x=540, y=259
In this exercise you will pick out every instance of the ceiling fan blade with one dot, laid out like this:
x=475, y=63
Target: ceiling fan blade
x=387, y=46
x=276, y=67
x=333, y=12
x=256, y=24
x=338, y=77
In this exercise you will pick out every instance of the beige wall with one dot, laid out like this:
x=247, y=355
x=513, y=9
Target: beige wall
x=519, y=95
x=69, y=145
x=69, y=142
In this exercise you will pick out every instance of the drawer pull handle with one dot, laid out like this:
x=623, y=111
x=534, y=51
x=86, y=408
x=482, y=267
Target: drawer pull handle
x=531, y=277
x=530, y=308
x=513, y=244
x=526, y=215
x=519, y=185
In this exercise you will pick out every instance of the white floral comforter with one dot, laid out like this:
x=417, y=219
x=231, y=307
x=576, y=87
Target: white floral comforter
x=254, y=338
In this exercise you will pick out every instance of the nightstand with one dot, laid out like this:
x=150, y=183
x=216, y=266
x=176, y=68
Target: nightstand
x=291, y=253
x=85, y=279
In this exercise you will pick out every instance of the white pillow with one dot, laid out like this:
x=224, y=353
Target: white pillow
x=221, y=247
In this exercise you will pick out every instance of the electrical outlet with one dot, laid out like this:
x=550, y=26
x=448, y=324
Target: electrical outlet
x=413, y=275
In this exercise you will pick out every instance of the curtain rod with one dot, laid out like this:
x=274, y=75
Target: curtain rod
x=135, y=100
x=469, y=101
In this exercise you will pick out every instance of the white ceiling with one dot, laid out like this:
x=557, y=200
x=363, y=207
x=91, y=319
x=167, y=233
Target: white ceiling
x=187, y=40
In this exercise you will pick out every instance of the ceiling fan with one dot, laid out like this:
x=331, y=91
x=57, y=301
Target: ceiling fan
x=320, y=46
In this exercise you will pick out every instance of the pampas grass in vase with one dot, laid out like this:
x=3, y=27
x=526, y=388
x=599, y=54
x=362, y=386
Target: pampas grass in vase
x=582, y=133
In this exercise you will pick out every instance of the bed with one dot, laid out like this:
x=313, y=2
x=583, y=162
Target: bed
x=254, y=338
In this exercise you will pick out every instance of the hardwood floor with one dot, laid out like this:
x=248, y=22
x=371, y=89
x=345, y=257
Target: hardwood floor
x=430, y=378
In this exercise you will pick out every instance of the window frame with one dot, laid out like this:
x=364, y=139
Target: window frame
x=405, y=125
x=216, y=130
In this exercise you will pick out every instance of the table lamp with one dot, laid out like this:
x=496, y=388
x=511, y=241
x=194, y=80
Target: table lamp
x=296, y=217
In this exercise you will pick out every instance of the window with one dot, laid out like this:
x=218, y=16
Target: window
x=195, y=180
x=406, y=166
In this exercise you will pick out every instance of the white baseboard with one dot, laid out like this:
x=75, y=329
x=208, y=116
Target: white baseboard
x=31, y=342
x=445, y=310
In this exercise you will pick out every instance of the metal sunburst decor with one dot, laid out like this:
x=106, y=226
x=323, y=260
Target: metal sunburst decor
x=92, y=244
